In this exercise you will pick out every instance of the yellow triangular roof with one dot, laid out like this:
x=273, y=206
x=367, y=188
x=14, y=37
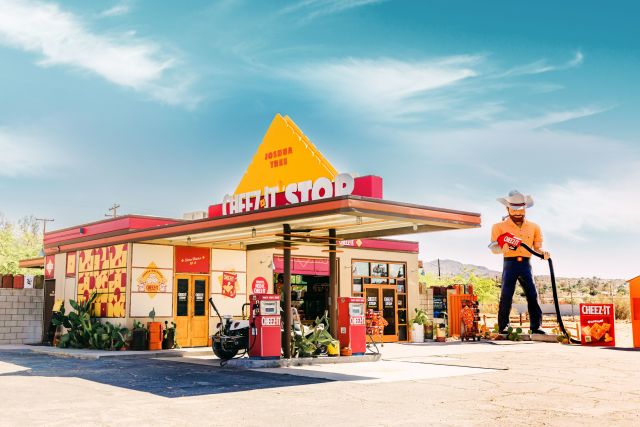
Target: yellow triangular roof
x=296, y=159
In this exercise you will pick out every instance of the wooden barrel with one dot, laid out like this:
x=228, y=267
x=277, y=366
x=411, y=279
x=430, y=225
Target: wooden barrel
x=155, y=335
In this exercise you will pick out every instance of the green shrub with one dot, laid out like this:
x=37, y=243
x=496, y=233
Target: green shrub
x=623, y=309
x=84, y=331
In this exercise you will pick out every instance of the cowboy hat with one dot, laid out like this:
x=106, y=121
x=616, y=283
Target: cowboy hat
x=516, y=200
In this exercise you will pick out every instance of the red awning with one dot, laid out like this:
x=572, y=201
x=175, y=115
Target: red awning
x=305, y=266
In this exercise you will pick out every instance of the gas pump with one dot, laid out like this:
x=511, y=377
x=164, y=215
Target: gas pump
x=351, y=324
x=264, y=321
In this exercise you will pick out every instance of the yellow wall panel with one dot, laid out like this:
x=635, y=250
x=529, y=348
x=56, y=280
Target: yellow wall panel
x=118, y=255
x=85, y=260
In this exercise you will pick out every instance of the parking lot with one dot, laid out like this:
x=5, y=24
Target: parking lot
x=453, y=384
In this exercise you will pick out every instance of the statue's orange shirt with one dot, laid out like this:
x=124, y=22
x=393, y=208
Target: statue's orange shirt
x=529, y=233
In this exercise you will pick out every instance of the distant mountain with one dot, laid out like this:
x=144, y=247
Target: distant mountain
x=580, y=286
x=450, y=267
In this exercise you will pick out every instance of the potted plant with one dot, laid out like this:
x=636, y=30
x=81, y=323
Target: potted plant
x=139, y=336
x=169, y=336
x=417, y=325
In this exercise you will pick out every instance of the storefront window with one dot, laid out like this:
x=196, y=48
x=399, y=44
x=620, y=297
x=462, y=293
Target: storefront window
x=384, y=287
x=360, y=269
x=357, y=285
x=379, y=270
x=396, y=270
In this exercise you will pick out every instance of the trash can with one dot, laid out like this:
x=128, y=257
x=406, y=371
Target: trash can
x=155, y=335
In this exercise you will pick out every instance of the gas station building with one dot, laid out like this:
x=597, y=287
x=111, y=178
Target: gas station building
x=294, y=226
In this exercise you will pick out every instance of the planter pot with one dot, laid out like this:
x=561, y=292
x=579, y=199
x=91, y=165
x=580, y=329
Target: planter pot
x=417, y=333
x=428, y=331
x=169, y=342
x=441, y=333
x=139, y=338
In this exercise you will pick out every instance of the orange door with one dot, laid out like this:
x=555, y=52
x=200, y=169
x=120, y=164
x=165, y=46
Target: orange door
x=191, y=311
x=383, y=299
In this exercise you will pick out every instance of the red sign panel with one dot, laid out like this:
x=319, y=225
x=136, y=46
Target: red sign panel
x=229, y=282
x=597, y=323
x=49, y=266
x=366, y=186
x=191, y=259
x=259, y=285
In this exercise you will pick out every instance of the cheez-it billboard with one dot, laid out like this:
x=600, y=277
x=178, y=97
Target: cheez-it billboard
x=597, y=322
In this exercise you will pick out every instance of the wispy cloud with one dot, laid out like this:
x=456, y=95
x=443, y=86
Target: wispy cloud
x=24, y=154
x=385, y=86
x=62, y=38
x=547, y=119
x=542, y=66
x=461, y=89
x=609, y=204
x=312, y=9
x=117, y=10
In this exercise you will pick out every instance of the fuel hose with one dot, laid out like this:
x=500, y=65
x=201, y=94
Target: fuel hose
x=555, y=293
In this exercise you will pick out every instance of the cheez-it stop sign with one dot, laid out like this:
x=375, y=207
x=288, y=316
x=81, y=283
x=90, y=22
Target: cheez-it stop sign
x=597, y=322
x=259, y=285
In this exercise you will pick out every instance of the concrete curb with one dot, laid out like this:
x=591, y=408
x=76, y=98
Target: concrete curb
x=247, y=363
x=101, y=354
x=544, y=338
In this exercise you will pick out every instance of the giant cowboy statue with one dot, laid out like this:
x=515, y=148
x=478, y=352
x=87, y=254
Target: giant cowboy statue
x=517, y=267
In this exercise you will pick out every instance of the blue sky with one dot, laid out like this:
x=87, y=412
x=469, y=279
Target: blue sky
x=159, y=106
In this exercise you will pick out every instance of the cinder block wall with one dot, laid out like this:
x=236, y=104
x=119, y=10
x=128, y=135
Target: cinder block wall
x=21, y=316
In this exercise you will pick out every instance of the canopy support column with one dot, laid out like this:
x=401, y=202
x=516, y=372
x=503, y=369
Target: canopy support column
x=286, y=289
x=333, y=284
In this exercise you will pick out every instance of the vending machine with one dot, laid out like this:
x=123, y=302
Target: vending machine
x=351, y=324
x=264, y=326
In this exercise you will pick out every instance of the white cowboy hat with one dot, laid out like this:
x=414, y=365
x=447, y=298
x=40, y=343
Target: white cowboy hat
x=516, y=200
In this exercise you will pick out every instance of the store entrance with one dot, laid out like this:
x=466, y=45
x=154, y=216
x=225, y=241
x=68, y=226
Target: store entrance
x=309, y=295
x=191, y=311
x=384, y=299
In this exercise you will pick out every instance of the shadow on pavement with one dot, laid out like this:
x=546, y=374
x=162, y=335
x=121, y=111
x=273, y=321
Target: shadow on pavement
x=162, y=378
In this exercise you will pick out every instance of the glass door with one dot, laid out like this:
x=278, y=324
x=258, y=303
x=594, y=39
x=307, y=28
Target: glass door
x=383, y=299
x=191, y=310
x=389, y=310
x=199, y=328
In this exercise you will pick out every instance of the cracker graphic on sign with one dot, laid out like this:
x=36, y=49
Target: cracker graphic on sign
x=229, y=282
x=152, y=281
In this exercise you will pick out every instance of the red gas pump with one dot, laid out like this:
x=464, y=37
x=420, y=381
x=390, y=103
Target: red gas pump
x=351, y=324
x=264, y=326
